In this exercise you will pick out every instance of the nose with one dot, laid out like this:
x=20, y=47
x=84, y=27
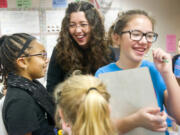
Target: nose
x=143, y=40
x=78, y=28
x=47, y=60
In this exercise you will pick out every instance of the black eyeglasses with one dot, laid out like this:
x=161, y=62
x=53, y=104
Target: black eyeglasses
x=42, y=55
x=137, y=35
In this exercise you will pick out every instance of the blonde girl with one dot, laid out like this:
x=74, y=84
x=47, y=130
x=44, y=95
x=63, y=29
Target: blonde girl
x=83, y=105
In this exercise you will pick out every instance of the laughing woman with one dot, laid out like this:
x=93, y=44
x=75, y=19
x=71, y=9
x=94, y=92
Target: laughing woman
x=81, y=44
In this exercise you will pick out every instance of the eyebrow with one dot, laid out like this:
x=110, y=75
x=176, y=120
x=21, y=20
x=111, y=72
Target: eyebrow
x=42, y=51
x=80, y=22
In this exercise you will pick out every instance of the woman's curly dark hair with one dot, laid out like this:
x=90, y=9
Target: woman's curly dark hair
x=69, y=55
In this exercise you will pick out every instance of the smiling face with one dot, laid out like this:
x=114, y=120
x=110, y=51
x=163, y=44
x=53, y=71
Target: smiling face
x=79, y=28
x=36, y=63
x=134, y=51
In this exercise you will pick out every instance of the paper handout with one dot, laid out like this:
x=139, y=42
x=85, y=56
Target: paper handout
x=130, y=90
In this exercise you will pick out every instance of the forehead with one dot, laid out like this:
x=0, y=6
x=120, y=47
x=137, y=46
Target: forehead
x=140, y=22
x=36, y=46
x=78, y=17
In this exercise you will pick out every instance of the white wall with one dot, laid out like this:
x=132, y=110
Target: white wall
x=166, y=13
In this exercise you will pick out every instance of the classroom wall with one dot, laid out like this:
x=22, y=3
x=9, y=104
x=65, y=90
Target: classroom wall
x=166, y=13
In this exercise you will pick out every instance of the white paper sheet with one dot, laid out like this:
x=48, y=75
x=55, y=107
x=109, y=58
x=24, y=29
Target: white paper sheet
x=130, y=90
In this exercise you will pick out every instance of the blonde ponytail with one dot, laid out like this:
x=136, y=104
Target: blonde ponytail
x=84, y=102
x=93, y=116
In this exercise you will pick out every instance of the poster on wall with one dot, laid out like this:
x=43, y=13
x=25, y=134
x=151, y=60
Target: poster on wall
x=3, y=3
x=23, y=3
x=59, y=3
x=170, y=43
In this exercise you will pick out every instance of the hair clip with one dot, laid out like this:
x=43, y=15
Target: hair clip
x=59, y=93
x=92, y=88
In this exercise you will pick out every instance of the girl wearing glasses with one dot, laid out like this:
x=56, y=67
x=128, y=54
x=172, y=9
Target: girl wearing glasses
x=81, y=44
x=28, y=109
x=135, y=35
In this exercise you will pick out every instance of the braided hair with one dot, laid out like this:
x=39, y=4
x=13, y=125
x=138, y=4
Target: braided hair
x=11, y=48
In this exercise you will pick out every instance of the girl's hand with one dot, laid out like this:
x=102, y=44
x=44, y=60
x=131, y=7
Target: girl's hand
x=151, y=118
x=162, y=60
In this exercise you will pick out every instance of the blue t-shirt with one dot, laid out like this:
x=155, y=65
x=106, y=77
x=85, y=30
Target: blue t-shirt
x=177, y=67
x=158, y=82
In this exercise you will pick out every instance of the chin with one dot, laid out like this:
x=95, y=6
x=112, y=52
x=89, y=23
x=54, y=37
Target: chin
x=41, y=76
x=138, y=58
x=83, y=45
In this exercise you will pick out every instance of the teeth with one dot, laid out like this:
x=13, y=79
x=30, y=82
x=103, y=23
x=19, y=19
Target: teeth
x=141, y=50
x=80, y=36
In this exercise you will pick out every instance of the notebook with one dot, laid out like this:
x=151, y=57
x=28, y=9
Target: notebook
x=130, y=90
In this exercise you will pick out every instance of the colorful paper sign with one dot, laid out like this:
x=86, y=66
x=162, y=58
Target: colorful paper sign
x=171, y=43
x=3, y=3
x=59, y=3
x=23, y=3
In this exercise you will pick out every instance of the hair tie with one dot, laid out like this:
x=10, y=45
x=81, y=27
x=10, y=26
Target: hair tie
x=92, y=88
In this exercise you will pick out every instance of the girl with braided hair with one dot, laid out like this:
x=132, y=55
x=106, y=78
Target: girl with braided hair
x=28, y=109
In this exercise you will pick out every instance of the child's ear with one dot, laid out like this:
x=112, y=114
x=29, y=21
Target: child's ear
x=65, y=126
x=61, y=114
x=115, y=36
x=62, y=118
x=22, y=63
